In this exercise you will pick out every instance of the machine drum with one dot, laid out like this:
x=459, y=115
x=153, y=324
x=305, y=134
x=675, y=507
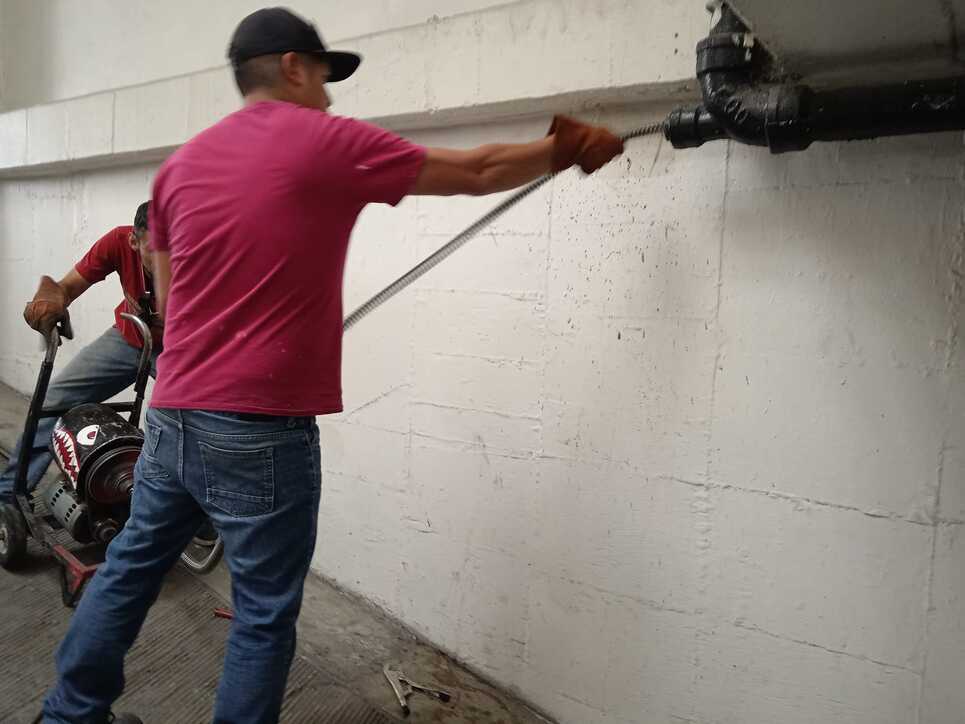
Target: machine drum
x=97, y=448
x=111, y=477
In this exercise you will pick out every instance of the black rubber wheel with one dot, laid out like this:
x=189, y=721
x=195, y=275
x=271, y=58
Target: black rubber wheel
x=13, y=536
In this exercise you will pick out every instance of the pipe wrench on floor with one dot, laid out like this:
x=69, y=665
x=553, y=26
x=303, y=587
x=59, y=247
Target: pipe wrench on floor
x=404, y=688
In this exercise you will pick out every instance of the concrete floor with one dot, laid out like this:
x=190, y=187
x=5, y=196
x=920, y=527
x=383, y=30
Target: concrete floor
x=173, y=670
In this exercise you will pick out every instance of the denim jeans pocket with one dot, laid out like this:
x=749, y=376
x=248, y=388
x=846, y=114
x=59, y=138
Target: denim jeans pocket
x=148, y=466
x=239, y=482
x=152, y=438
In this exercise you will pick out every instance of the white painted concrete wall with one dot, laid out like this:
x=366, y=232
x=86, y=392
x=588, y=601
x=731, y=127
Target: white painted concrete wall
x=679, y=442
x=81, y=48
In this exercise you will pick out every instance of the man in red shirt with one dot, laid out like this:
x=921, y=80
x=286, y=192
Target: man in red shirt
x=250, y=222
x=108, y=365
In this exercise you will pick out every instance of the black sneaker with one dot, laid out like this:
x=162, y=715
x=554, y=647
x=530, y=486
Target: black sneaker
x=206, y=536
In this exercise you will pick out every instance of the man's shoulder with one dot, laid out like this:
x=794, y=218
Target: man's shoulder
x=219, y=138
x=106, y=254
x=291, y=115
x=198, y=141
x=347, y=124
x=116, y=242
x=117, y=236
x=297, y=122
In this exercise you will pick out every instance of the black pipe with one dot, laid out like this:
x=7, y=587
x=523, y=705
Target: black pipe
x=893, y=110
x=739, y=104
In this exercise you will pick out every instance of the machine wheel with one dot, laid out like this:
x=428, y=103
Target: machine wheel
x=202, y=564
x=13, y=536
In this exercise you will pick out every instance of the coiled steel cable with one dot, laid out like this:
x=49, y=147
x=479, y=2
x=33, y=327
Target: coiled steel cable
x=465, y=235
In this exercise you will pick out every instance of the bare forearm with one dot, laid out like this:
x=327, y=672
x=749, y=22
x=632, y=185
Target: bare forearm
x=484, y=170
x=504, y=166
x=73, y=285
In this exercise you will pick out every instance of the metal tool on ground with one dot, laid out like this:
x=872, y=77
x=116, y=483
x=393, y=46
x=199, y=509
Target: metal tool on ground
x=465, y=235
x=225, y=613
x=96, y=449
x=404, y=688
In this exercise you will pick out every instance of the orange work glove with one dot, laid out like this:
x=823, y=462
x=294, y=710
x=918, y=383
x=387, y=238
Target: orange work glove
x=48, y=307
x=575, y=143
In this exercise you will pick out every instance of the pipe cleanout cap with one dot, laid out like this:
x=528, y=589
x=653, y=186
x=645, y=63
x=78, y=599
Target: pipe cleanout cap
x=690, y=128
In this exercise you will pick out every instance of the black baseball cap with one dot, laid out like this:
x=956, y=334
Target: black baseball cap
x=279, y=30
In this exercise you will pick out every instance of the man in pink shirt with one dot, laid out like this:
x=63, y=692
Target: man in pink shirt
x=250, y=224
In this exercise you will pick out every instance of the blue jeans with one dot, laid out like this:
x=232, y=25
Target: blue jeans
x=258, y=478
x=102, y=369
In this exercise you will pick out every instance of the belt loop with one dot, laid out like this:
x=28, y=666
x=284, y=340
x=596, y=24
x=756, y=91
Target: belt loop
x=292, y=422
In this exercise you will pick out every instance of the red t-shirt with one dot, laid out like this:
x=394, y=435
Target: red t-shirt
x=256, y=213
x=113, y=253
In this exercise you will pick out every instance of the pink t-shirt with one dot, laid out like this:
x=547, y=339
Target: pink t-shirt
x=256, y=213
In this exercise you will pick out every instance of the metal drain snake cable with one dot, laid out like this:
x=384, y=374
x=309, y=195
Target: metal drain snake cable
x=465, y=235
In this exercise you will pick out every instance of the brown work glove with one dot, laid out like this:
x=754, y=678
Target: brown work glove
x=48, y=307
x=575, y=143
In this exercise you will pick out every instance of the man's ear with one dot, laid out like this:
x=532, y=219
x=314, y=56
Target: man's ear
x=132, y=240
x=291, y=68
